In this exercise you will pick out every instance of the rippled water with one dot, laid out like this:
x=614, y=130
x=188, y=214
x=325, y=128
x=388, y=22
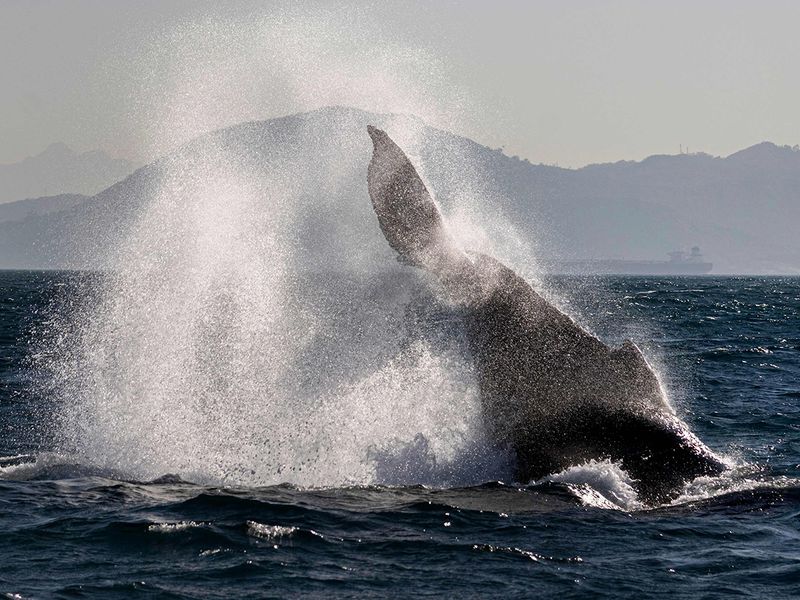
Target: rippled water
x=728, y=350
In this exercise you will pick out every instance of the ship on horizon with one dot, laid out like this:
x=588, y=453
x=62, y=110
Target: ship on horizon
x=679, y=263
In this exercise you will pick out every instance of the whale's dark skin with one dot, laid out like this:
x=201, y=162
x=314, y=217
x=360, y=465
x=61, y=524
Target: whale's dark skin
x=552, y=391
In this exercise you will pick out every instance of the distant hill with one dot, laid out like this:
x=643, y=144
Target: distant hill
x=22, y=209
x=60, y=170
x=741, y=210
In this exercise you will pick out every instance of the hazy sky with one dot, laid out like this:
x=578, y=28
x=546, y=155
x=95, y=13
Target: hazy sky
x=557, y=82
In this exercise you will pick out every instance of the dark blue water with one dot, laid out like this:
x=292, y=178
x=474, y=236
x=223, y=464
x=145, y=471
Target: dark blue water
x=728, y=349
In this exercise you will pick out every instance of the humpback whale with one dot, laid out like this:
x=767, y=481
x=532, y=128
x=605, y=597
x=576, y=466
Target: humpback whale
x=551, y=391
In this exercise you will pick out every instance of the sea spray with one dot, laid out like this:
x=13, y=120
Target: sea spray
x=218, y=350
x=252, y=326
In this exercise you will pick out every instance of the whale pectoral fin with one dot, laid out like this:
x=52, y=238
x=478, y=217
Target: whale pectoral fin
x=407, y=214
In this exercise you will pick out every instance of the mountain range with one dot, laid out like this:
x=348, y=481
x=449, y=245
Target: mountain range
x=743, y=210
x=60, y=170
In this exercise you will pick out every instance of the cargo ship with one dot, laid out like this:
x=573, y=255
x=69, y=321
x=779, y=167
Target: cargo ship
x=679, y=263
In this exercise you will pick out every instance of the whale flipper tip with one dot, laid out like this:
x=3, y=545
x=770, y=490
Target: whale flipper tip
x=375, y=133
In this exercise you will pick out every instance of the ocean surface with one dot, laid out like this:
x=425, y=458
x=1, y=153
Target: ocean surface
x=77, y=524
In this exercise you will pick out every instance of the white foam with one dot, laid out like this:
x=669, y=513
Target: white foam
x=270, y=533
x=602, y=484
x=740, y=477
x=30, y=466
x=174, y=527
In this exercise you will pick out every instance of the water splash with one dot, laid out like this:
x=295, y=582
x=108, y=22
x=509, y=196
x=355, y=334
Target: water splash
x=254, y=330
x=601, y=484
x=254, y=327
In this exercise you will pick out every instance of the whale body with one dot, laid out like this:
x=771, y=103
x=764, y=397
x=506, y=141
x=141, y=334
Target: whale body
x=551, y=391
